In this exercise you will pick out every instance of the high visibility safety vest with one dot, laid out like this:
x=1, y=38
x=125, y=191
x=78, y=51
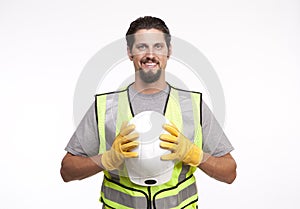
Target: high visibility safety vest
x=183, y=108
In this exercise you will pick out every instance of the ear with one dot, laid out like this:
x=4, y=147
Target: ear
x=169, y=51
x=130, y=56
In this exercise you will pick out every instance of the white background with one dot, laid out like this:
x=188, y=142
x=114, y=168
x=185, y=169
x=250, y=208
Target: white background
x=253, y=46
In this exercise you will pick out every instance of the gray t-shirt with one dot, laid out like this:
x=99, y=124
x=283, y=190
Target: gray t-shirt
x=85, y=140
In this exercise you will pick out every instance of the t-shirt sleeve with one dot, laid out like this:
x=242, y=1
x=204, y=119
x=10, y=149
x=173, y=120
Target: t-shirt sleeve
x=215, y=142
x=85, y=140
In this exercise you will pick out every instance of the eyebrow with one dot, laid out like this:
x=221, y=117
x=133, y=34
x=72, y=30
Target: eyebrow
x=142, y=43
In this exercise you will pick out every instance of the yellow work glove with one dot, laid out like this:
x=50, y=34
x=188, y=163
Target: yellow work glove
x=181, y=147
x=123, y=143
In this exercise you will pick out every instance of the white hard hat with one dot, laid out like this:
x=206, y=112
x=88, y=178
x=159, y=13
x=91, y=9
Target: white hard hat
x=148, y=169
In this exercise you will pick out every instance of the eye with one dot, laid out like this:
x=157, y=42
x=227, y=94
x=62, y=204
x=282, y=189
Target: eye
x=158, y=46
x=141, y=47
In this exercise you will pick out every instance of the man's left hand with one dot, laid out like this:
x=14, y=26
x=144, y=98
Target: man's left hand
x=181, y=147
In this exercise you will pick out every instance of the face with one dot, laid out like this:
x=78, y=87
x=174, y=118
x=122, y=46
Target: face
x=149, y=54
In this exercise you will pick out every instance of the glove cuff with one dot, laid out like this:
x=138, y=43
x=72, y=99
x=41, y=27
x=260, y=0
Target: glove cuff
x=194, y=156
x=111, y=161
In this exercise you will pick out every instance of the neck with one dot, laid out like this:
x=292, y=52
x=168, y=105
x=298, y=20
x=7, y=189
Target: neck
x=149, y=88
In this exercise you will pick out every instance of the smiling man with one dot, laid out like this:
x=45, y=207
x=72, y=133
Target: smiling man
x=103, y=139
x=149, y=54
x=149, y=50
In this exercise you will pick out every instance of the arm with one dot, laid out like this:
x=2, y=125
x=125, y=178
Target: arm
x=77, y=167
x=221, y=168
x=76, y=164
x=215, y=143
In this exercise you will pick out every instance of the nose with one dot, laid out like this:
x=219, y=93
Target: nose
x=150, y=53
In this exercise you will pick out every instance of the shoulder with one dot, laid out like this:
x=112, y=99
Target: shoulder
x=188, y=94
x=111, y=93
x=184, y=90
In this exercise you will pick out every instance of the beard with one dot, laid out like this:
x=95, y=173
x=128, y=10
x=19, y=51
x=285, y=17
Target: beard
x=149, y=77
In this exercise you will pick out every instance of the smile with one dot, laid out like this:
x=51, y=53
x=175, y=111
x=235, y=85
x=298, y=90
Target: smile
x=150, y=65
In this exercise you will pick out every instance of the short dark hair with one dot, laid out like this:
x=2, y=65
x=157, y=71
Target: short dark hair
x=147, y=22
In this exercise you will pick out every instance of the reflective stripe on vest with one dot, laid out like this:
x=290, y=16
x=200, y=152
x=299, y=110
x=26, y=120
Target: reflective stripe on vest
x=183, y=109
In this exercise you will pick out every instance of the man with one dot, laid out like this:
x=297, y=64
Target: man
x=103, y=139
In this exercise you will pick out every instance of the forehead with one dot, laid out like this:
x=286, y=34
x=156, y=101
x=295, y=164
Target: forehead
x=150, y=36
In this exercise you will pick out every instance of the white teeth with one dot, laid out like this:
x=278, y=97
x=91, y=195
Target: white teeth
x=150, y=64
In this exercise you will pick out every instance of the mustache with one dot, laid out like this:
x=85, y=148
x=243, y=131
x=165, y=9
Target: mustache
x=149, y=59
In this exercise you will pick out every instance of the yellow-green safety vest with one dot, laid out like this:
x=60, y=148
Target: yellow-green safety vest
x=183, y=108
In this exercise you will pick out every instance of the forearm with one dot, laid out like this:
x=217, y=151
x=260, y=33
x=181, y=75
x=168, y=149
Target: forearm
x=221, y=168
x=78, y=167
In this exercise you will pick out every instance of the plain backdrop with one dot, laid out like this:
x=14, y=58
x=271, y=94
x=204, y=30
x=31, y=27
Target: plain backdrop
x=253, y=46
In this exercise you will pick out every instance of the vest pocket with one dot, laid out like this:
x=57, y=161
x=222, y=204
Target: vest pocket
x=119, y=196
x=105, y=206
x=184, y=195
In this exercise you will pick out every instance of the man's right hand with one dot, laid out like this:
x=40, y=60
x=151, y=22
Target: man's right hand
x=121, y=148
